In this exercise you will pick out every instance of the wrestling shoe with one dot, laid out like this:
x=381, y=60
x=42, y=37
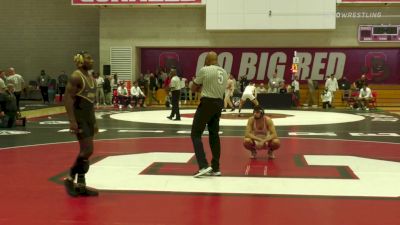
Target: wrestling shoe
x=70, y=187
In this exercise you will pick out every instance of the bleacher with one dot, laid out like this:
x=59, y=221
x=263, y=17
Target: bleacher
x=387, y=95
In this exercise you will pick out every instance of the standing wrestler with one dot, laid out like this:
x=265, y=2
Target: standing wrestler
x=79, y=103
x=250, y=94
x=212, y=80
x=260, y=134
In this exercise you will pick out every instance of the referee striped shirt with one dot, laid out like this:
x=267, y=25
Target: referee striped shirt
x=214, y=79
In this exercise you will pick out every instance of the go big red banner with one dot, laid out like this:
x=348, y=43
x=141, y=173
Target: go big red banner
x=129, y=2
x=380, y=65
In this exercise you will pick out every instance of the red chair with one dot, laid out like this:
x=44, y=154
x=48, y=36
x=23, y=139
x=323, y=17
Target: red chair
x=115, y=98
x=352, y=99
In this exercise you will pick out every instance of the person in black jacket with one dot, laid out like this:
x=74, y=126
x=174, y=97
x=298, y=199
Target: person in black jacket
x=107, y=89
x=8, y=107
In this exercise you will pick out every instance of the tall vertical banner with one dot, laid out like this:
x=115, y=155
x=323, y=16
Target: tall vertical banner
x=381, y=65
x=132, y=2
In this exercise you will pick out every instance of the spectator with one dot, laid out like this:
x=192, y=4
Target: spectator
x=99, y=90
x=107, y=89
x=326, y=98
x=142, y=83
x=8, y=107
x=296, y=91
x=332, y=85
x=2, y=81
x=282, y=88
x=311, y=97
x=358, y=84
x=114, y=81
x=51, y=91
x=261, y=89
x=137, y=95
x=345, y=87
x=18, y=82
x=153, y=86
x=364, y=97
x=163, y=75
x=184, y=90
x=159, y=79
x=146, y=77
x=43, y=81
x=123, y=96
x=344, y=83
x=274, y=83
x=62, y=83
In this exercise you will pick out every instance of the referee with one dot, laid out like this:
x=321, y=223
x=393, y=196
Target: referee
x=213, y=80
x=175, y=88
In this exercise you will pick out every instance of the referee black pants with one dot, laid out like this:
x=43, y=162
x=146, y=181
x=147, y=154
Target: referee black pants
x=208, y=113
x=176, y=95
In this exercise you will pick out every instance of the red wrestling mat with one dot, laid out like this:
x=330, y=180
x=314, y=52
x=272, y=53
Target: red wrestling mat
x=31, y=193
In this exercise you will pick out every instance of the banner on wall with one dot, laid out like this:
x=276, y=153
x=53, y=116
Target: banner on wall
x=380, y=65
x=131, y=2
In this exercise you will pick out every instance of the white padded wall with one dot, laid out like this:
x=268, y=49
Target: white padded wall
x=270, y=14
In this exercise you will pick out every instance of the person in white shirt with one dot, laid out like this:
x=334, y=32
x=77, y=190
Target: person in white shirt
x=332, y=85
x=18, y=82
x=137, y=95
x=326, y=98
x=250, y=94
x=100, y=99
x=123, y=96
x=296, y=91
x=364, y=97
x=261, y=89
x=274, y=83
x=2, y=81
x=230, y=87
x=175, y=89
